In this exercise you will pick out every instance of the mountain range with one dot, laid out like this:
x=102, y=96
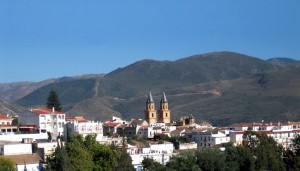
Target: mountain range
x=220, y=87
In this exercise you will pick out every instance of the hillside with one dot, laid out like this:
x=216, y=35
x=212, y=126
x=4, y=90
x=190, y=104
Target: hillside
x=273, y=96
x=10, y=109
x=247, y=89
x=164, y=75
x=17, y=90
x=283, y=62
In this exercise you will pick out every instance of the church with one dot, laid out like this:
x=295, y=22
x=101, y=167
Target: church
x=163, y=115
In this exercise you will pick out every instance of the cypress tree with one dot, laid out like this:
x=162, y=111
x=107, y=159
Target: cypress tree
x=53, y=101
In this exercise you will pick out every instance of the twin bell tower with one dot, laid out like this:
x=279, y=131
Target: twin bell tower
x=163, y=115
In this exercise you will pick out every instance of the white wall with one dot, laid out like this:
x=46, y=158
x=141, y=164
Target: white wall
x=19, y=137
x=30, y=167
x=168, y=148
x=187, y=146
x=16, y=149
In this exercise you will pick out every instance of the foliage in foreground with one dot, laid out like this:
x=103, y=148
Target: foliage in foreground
x=6, y=164
x=80, y=154
x=260, y=153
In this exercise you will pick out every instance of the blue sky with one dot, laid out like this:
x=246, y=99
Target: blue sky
x=55, y=38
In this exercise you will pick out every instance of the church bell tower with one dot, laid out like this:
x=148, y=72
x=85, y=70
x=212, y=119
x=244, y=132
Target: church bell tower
x=150, y=112
x=164, y=112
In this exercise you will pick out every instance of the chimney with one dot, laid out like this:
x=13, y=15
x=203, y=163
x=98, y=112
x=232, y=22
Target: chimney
x=53, y=109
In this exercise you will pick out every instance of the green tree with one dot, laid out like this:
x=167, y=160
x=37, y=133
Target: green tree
x=80, y=153
x=7, y=164
x=124, y=162
x=296, y=144
x=292, y=156
x=210, y=159
x=238, y=158
x=53, y=101
x=246, y=159
x=59, y=160
x=186, y=161
x=151, y=165
x=267, y=152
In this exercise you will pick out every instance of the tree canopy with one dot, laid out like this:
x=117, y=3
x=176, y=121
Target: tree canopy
x=7, y=164
x=53, y=101
x=81, y=154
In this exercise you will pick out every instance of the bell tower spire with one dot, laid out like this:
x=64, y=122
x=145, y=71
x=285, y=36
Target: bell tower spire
x=164, y=112
x=150, y=112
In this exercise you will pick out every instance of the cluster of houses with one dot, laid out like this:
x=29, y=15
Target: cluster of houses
x=29, y=142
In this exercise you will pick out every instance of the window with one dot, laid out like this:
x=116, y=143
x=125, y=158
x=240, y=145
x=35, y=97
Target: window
x=43, y=117
x=152, y=115
x=166, y=114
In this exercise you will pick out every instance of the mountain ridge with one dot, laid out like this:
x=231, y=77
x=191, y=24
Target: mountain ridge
x=200, y=84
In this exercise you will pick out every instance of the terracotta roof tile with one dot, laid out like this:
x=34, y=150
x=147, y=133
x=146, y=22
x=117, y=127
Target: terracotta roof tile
x=111, y=124
x=4, y=117
x=45, y=110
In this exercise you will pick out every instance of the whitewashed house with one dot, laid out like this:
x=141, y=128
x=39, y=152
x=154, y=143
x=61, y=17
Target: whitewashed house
x=79, y=125
x=210, y=137
x=158, y=152
x=45, y=120
x=6, y=125
x=283, y=133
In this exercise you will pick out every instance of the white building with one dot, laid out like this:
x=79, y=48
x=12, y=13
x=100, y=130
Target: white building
x=79, y=125
x=211, y=137
x=5, y=120
x=146, y=132
x=45, y=120
x=158, y=152
x=283, y=133
x=21, y=154
x=6, y=125
x=14, y=148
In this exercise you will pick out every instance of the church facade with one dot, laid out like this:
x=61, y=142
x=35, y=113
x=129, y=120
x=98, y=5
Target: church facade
x=163, y=115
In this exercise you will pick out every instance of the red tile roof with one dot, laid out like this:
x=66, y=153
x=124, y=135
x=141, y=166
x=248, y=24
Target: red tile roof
x=4, y=117
x=269, y=132
x=144, y=127
x=111, y=124
x=261, y=124
x=45, y=110
x=80, y=119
